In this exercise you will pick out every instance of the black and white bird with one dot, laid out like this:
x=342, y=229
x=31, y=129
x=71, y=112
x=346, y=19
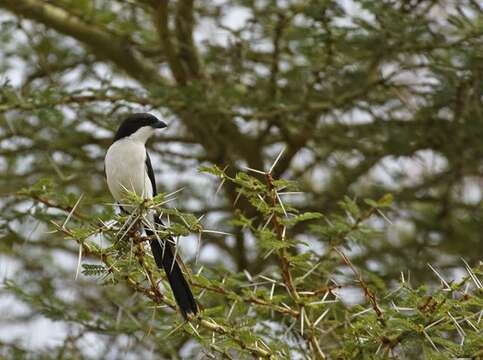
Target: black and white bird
x=128, y=168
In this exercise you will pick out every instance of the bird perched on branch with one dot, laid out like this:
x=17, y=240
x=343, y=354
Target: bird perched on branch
x=128, y=168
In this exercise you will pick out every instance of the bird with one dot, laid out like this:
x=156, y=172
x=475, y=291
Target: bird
x=128, y=168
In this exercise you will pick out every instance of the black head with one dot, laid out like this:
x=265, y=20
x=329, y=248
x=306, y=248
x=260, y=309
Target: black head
x=136, y=121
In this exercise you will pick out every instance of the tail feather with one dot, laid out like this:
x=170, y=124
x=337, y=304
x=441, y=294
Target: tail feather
x=163, y=256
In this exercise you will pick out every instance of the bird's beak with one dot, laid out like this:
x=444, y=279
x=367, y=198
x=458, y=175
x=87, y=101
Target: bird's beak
x=160, y=125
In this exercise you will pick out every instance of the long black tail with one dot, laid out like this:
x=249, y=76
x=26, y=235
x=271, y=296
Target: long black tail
x=164, y=258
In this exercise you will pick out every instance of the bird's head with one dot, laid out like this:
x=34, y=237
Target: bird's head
x=139, y=127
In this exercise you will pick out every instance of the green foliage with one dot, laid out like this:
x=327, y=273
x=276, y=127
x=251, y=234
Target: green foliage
x=94, y=270
x=340, y=153
x=293, y=308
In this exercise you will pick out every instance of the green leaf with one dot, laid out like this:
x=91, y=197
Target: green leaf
x=291, y=221
x=268, y=240
x=214, y=170
x=385, y=201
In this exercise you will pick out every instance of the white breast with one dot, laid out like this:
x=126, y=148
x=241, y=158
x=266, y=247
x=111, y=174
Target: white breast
x=126, y=169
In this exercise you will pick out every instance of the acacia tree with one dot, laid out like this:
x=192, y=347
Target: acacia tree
x=366, y=98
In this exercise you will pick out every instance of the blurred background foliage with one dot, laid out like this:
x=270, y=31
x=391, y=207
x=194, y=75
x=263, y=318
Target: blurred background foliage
x=366, y=97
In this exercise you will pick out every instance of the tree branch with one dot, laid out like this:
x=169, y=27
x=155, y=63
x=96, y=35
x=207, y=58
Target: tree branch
x=162, y=25
x=184, y=34
x=102, y=42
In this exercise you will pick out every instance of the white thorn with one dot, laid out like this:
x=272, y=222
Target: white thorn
x=72, y=211
x=254, y=170
x=79, y=260
x=276, y=161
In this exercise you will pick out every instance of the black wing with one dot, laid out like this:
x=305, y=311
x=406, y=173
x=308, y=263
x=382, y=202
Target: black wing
x=149, y=169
